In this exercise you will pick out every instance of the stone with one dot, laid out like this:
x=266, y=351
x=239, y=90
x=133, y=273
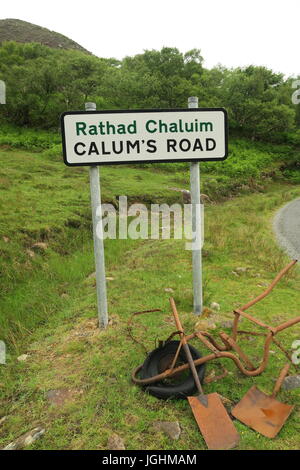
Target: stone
x=115, y=442
x=291, y=382
x=23, y=357
x=26, y=439
x=170, y=428
x=215, y=306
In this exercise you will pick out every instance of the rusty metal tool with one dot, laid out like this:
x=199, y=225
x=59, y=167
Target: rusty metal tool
x=229, y=349
x=262, y=412
x=212, y=418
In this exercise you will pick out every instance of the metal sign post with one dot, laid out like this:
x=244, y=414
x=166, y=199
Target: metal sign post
x=92, y=138
x=2, y=92
x=98, y=240
x=196, y=226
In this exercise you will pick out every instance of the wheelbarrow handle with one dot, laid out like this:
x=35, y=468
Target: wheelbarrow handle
x=281, y=377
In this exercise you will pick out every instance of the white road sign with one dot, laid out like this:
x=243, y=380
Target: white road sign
x=107, y=137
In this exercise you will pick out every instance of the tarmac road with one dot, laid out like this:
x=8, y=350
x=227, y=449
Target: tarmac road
x=287, y=228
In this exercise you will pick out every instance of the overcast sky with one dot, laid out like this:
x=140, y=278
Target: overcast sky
x=228, y=32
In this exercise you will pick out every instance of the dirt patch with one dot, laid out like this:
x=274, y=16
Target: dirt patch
x=59, y=397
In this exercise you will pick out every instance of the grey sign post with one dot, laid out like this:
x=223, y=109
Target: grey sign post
x=2, y=352
x=92, y=138
x=196, y=226
x=98, y=240
x=2, y=92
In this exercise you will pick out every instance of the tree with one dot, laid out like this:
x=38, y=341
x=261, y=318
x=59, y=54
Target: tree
x=253, y=100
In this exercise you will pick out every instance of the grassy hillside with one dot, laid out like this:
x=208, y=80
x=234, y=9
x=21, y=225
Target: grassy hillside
x=12, y=29
x=48, y=304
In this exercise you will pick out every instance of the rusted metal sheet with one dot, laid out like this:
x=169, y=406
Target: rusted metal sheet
x=210, y=414
x=262, y=412
x=214, y=423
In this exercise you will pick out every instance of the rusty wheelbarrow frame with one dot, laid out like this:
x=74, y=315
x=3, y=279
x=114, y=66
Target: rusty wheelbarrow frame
x=229, y=343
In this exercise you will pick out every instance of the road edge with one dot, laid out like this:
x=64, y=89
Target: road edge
x=282, y=240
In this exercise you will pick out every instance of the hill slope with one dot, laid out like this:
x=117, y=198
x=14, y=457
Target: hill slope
x=22, y=31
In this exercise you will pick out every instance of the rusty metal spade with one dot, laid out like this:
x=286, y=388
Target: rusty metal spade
x=262, y=412
x=212, y=418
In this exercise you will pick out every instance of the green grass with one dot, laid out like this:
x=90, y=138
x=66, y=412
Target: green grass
x=48, y=305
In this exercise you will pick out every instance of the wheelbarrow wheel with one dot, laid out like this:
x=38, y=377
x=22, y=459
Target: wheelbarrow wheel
x=160, y=359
